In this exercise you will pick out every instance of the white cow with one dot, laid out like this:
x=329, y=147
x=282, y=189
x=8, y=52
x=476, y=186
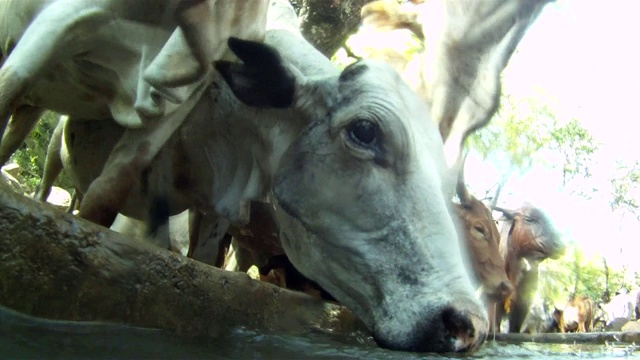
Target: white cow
x=476, y=60
x=114, y=59
x=619, y=310
x=354, y=168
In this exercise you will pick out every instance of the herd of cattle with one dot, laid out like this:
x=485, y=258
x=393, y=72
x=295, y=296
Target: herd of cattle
x=336, y=182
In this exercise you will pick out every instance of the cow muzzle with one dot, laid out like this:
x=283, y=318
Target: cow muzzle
x=453, y=327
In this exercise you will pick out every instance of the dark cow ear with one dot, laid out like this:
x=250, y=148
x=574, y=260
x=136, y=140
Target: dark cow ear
x=263, y=80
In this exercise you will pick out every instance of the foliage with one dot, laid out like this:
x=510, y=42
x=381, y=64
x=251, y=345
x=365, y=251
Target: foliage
x=31, y=156
x=526, y=131
x=573, y=274
x=524, y=126
x=518, y=130
x=398, y=47
x=576, y=145
x=626, y=189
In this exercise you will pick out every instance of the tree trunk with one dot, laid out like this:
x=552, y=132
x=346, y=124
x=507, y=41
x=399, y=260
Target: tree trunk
x=326, y=24
x=58, y=266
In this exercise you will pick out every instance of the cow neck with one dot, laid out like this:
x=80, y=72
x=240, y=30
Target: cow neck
x=244, y=152
x=509, y=254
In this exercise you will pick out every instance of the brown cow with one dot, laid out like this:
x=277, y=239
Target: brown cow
x=577, y=316
x=482, y=237
x=527, y=238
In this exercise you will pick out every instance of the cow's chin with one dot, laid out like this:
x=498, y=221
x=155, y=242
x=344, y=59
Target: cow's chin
x=401, y=316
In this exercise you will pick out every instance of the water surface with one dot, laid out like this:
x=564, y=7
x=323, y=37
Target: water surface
x=24, y=337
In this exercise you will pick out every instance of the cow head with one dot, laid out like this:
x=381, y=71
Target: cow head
x=360, y=203
x=532, y=234
x=482, y=237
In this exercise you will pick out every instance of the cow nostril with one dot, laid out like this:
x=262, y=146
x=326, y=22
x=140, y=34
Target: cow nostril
x=466, y=332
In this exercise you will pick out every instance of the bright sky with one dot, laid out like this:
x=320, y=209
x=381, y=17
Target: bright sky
x=586, y=55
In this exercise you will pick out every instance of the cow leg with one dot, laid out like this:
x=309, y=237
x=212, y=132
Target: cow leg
x=107, y=194
x=239, y=258
x=76, y=199
x=496, y=314
x=53, y=162
x=22, y=122
x=518, y=314
x=158, y=229
x=206, y=234
x=589, y=316
x=41, y=45
x=562, y=325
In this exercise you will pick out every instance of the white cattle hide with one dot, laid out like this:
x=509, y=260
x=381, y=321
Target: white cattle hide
x=621, y=306
x=115, y=59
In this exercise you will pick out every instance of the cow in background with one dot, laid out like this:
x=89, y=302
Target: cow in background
x=576, y=316
x=620, y=310
x=527, y=237
x=481, y=236
x=540, y=319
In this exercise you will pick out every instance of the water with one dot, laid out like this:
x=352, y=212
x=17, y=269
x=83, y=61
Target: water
x=23, y=337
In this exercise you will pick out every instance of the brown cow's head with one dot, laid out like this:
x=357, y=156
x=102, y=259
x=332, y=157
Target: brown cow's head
x=532, y=234
x=482, y=237
x=527, y=237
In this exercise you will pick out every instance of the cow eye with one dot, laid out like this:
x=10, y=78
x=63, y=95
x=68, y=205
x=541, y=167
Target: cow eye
x=363, y=132
x=481, y=230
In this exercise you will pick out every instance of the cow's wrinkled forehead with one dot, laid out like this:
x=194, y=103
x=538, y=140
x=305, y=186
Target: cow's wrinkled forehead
x=374, y=89
x=375, y=79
